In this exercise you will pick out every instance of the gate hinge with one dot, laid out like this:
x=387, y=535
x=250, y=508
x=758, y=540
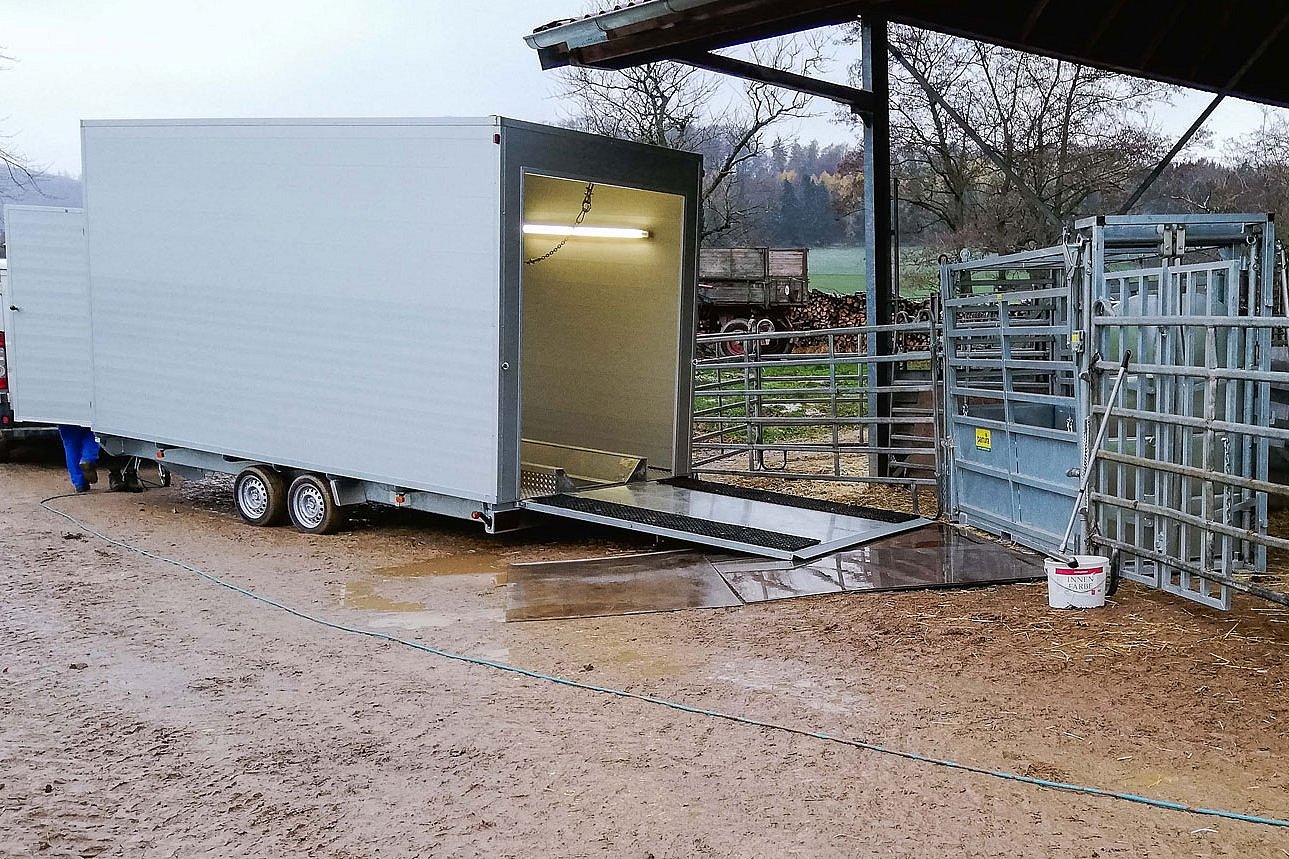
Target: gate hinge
x=1172, y=240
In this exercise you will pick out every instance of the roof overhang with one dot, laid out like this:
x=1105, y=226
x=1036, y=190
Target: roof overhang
x=1204, y=44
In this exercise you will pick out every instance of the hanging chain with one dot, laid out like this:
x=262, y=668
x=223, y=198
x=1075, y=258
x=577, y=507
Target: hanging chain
x=581, y=216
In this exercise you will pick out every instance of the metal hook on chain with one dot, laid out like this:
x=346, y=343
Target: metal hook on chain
x=581, y=216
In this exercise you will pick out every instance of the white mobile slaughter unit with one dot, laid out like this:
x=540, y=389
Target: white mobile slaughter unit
x=474, y=317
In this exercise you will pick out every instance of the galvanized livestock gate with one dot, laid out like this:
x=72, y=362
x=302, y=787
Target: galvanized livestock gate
x=994, y=400
x=1032, y=341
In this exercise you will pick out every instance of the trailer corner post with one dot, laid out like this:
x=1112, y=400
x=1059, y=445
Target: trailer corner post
x=877, y=234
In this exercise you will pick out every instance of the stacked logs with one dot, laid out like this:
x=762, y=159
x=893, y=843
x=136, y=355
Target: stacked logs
x=823, y=310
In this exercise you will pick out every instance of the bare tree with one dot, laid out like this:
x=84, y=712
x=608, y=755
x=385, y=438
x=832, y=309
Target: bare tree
x=18, y=168
x=1252, y=176
x=680, y=107
x=1075, y=135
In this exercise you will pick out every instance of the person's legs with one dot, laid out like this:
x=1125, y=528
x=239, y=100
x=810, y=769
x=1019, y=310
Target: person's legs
x=89, y=456
x=73, y=446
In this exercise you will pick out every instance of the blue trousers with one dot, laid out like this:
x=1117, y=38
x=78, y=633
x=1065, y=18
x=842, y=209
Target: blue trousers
x=78, y=446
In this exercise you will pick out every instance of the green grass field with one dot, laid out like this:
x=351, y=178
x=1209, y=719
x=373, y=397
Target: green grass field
x=840, y=271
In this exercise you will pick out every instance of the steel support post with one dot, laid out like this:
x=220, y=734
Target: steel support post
x=877, y=235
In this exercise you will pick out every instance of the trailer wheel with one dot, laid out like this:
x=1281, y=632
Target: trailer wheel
x=259, y=493
x=734, y=348
x=778, y=346
x=311, y=507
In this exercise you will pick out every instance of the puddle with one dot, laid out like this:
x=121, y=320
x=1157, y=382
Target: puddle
x=471, y=563
x=363, y=595
x=423, y=619
x=626, y=584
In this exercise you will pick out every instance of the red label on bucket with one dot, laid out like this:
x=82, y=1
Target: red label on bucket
x=1081, y=571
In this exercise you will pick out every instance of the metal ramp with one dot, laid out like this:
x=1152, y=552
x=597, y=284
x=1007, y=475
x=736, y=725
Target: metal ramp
x=752, y=521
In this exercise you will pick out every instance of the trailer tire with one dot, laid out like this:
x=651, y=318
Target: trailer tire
x=734, y=348
x=259, y=494
x=778, y=346
x=311, y=507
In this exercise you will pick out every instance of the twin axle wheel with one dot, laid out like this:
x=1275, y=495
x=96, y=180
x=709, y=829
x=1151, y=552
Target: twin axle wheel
x=262, y=497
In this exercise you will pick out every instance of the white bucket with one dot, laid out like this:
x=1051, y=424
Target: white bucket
x=1077, y=587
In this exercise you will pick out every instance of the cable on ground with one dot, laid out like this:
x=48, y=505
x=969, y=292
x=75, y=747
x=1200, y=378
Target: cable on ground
x=663, y=702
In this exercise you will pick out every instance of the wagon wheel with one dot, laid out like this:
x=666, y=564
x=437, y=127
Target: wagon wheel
x=735, y=348
x=779, y=345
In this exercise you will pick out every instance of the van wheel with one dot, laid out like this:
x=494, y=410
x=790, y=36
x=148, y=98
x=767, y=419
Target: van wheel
x=311, y=507
x=259, y=493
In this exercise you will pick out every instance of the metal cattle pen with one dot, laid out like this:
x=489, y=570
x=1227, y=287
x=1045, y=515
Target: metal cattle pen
x=1179, y=487
x=808, y=414
x=1182, y=481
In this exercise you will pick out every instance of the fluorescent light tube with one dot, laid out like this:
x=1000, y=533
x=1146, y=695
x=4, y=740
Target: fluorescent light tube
x=592, y=232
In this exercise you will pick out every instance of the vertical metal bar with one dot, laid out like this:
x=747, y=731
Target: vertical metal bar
x=1141, y=391
x=1265, y=291
x=1166, y=402
x=938, y=428
x=1235, y=445
x=1009, y=412
x=1211, y=452
x=753, y=354
x=877, y=228
x=1186, y=394
x=832, y=392
x=949, y=494
x=1249, y=396
x=749, y=435
x=1082, y=303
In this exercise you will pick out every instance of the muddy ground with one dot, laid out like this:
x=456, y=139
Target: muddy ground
x=146, y=712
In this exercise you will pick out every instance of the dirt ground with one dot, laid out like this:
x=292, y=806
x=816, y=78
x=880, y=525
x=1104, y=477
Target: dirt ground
x=146, y=712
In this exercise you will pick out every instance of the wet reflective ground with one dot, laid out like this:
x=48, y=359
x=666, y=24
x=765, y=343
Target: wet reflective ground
x=935, y=556
x=657, y=581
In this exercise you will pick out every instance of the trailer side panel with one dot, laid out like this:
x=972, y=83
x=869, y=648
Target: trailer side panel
x=320, y=294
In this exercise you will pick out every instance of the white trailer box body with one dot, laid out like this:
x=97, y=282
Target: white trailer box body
x=321, y=296
x=344, y=296
x=46, y=307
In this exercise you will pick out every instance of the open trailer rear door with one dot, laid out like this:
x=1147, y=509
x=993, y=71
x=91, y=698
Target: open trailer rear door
x=731, y=517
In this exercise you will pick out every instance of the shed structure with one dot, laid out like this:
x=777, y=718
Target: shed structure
x=1224, y=48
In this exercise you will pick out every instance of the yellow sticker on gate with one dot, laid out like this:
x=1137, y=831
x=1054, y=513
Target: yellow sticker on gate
x=984, y=440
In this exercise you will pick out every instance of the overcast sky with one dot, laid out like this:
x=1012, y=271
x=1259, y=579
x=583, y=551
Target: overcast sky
x=90, y=59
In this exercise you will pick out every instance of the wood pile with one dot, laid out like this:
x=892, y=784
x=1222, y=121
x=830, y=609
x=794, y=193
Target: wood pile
x=823, y=310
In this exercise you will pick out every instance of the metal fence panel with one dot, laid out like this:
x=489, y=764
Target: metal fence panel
x=803, y=414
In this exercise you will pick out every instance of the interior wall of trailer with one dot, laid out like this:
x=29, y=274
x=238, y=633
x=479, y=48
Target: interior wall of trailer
x=601, y=322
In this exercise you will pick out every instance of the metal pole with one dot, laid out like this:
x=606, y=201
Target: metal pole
x=1096, y=445
x=877, y=234
x=1172, y=153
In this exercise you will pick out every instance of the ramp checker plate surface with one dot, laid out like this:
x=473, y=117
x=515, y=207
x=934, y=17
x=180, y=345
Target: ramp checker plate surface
x=677, y=522
x=754, y=522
